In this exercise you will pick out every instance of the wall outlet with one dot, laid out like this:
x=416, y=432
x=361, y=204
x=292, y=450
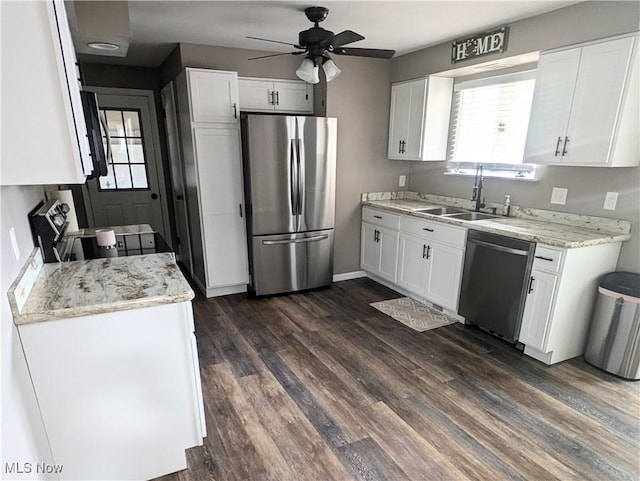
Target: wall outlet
x=610, y=201
x=14, y=243
x=559, y=195
x=402, y=181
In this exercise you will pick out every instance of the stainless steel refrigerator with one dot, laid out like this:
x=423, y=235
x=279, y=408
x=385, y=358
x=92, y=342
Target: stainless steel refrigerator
x=289, y=174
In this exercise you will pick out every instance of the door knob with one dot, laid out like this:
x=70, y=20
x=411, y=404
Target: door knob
x=179, y=197
x=154, y=196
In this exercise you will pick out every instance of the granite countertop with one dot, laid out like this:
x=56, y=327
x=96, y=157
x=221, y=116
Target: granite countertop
x=527, y=224
x=44, y=292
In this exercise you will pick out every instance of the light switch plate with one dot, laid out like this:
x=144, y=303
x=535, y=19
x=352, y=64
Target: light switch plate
x=610, y=201
x=559, y=195
x=402, y=181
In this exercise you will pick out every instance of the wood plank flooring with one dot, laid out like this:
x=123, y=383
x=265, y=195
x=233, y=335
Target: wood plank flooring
x=321, y=386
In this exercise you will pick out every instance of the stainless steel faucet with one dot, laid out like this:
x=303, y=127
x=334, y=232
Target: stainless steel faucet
x=476, y=194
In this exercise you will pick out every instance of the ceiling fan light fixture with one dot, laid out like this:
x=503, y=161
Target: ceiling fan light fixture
x=331, y=70
x=308, y=71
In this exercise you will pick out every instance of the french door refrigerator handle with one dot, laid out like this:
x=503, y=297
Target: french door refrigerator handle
x=300, y=175
x=295, y=241
x=293, y=178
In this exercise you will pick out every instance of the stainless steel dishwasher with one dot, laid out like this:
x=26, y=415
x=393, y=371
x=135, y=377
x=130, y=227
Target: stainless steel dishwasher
x=495, y=281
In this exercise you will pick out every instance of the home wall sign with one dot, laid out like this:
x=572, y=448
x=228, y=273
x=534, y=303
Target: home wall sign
x=480, y=44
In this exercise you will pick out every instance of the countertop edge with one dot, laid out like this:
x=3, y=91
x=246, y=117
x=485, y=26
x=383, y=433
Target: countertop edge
x=71, y=312
x=607, y=237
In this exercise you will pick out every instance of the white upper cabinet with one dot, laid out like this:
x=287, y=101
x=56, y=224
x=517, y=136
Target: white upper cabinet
x=214, y=96
x=265, y=95
x=44, y=135
x=585, y=106
x=419, y=119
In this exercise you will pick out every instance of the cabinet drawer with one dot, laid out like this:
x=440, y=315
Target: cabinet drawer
x=437, y=231
x=381, y=218
x=547, y=259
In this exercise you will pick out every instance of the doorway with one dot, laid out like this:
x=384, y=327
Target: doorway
x=133, y=190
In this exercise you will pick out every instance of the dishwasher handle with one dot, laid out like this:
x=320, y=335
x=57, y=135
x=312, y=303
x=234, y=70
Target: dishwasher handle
x=497, y=247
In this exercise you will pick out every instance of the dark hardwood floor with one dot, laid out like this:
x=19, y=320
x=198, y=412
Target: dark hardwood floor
x=321, y=386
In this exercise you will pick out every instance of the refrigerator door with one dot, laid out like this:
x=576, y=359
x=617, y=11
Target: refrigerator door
x=316, y=162
x=292, y=262
x=269, y=156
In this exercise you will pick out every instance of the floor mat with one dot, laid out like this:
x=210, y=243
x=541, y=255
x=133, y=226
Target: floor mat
x=413, y=314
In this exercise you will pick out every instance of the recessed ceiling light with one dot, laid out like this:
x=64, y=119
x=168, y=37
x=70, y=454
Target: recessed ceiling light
x=103, y=46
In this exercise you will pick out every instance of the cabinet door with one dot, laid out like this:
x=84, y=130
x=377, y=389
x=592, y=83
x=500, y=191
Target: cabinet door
x=596, y=101
x=256, y=95
x=412, y=148
x=388, y=240
x=293, y=96
x=444, y=274
x=369, y=249
x=537, y=309
x=220, y=190
x=399, y=118
x=412, y=265
x=213, y=96
x=551, y=107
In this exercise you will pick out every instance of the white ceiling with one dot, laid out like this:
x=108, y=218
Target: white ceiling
x=405, y=26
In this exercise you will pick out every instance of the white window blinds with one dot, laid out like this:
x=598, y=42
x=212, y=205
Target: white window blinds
x=490, y=120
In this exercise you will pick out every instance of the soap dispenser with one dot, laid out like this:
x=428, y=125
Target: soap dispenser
x=506, y=207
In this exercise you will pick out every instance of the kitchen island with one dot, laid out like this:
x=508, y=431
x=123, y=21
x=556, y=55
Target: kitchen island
x=111, y=350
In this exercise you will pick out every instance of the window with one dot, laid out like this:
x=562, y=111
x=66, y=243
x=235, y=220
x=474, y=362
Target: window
x=126, y=169
x=489, y=125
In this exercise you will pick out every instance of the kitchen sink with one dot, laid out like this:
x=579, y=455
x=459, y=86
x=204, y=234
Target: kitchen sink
x=472, y=216
x=442, y=210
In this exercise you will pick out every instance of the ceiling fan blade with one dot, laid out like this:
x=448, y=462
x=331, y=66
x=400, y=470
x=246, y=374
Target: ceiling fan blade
x=365, y=52
x=343, y=38
x=274, y=41
x=276, y=55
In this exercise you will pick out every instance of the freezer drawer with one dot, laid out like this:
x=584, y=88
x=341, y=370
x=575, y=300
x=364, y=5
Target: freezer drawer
x=291, y=262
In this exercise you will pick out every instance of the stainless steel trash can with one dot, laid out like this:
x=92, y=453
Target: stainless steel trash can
x=613, y=343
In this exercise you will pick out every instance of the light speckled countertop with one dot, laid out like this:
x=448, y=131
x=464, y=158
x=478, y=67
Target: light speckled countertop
x=73, y=289
x=528, y=224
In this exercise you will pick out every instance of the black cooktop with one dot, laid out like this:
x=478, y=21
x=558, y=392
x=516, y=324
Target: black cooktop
x=85, y=248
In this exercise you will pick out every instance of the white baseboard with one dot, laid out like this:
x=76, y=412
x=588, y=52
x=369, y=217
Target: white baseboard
x=349, y=275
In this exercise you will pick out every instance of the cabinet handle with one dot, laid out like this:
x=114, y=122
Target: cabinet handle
x=377, y=217
x=179, y=196
x=240, y=207
x=277, y=98
x=548, y=259
x=428, y=250
x=427, y=229
x=558, y=147
x=375, y=235
x=235, y=111
x=272, y=101
x=404, y=144
x=564, y=147
x=531, y=280
x=424, y=251
x=400, y=147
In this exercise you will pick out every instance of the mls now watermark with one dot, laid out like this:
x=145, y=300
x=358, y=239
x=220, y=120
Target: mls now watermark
x=28, y=468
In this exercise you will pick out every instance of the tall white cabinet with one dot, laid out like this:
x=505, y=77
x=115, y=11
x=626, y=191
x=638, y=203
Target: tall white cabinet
x=211, y=151
x=585, y=107
x=44, y=136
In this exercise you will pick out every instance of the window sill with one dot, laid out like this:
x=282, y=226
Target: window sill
x=505, y=175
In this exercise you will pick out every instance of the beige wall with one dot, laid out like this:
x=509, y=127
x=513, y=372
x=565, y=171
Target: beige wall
x=587, y=186
x=23, y=436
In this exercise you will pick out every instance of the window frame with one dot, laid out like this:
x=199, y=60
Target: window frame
x=511, y=171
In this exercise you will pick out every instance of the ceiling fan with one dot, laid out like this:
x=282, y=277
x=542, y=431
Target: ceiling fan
x=316, y=43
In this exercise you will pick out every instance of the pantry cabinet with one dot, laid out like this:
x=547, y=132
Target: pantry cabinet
x=585, y=107
x=562, y=288
x=430, y=260
x=266, y=95
x=44, y=135
x=379, y=243
x=419, y=119
x=211, y=153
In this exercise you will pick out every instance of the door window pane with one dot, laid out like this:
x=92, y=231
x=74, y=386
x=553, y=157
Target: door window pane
x=127, y=167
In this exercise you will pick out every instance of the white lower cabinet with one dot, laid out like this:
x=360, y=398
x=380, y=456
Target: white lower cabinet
x=421, y=257
x=119, y=392
x=562, y=289
x=429, y=267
